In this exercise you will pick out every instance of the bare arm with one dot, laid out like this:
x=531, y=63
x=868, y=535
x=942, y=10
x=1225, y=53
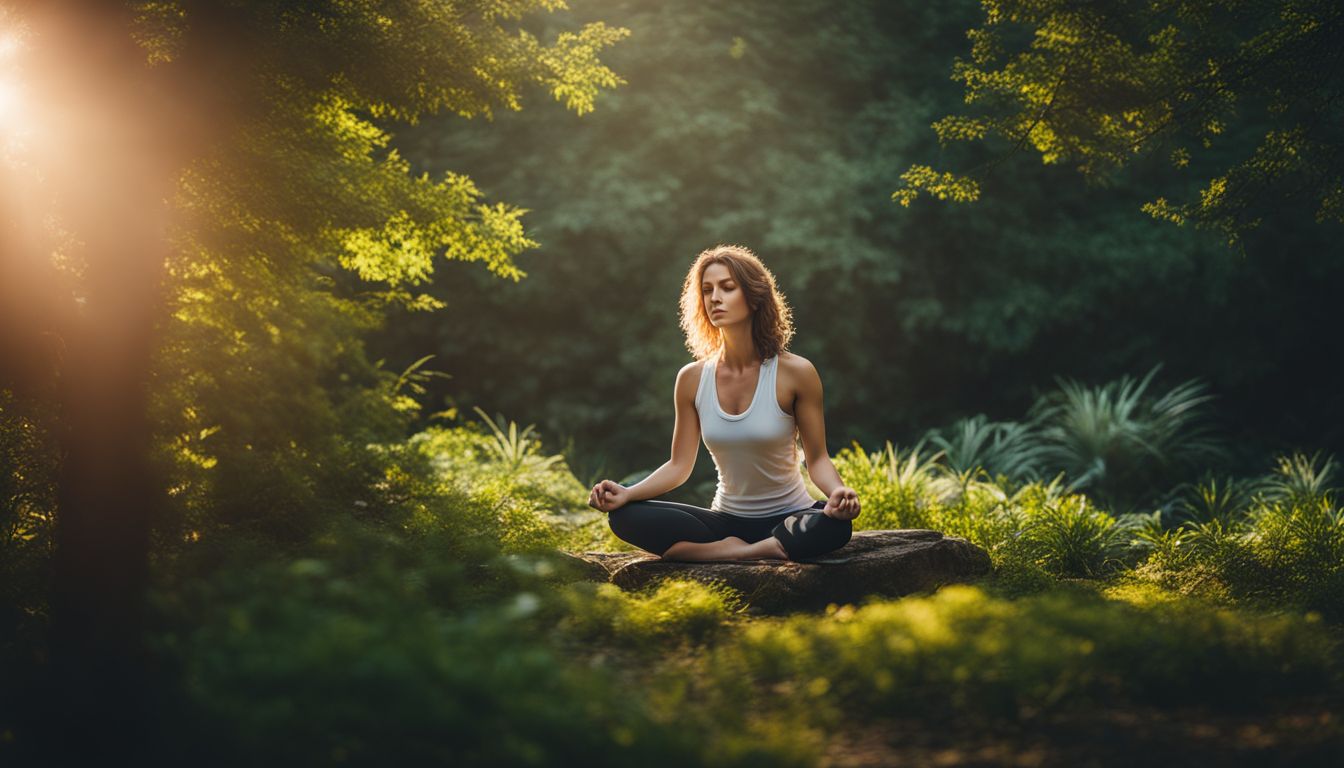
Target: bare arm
x=808, y=412
x=685, y=440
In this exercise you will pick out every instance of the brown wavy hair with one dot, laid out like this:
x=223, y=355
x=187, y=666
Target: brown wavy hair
x=771, y=319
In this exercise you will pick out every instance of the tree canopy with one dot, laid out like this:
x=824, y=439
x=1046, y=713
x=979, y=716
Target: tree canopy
x=305, y=227
x=1095, y=84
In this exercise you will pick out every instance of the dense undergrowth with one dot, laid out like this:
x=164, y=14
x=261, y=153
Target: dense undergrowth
x=442, y=622
x=507, y=655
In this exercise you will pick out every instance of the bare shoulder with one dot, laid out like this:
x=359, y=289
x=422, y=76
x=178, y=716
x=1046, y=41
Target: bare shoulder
x=798, y=369
x=691, y=370
x=688, y=378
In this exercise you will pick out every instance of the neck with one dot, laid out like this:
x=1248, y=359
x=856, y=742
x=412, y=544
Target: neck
x=738, y=351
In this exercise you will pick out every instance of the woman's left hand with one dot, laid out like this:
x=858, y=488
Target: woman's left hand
x=843, y=504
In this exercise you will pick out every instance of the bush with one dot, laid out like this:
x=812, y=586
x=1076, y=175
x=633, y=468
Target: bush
x=897, y=490
x=673, y=611
x=1287, y=547
x=372, y=650
x=1000, y=447
x=963, y=652
x=1120, y=443
x=468, y=458
x=1037, y=531
x=539, y=493
x=1069, y=537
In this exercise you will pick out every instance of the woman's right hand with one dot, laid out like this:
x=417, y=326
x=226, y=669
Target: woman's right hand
x=608, y=495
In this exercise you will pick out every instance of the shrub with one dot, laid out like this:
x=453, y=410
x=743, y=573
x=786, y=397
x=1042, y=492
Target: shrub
x=1000, y=448
x=1287, y=547
x=1297, y=479
x=897, y=490
x=1119, y=443
x=370, y=650
x=1225, y=501
x=672, y=611
x=468, y=458
x=1032, y=535
x=1069, y=537
x=962, y=651
x=538, y=500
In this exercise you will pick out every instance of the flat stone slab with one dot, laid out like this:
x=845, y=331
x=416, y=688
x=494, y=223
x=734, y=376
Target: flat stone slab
x=887, y=563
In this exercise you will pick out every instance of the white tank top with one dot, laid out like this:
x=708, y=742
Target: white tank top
x=754, y=451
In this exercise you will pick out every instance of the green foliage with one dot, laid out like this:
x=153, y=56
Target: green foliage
x=517, y=453
x=439, y=481
x=29, y=459
x=302, y=230
x=1120, y=443
x=784, y=131
x=1033, y=535
x=1096, y=85
x=1072, y=538
x=1298, y=479
x=1287, y=547
x=380, y=55
x=998, y=447
x=538, y=493
x=1300, y=548
x=370, y=648
x=898, y=489
x=963, y=652
x=944, y=186
x=1223, y=500
x=1278, y=538
x=671, y=612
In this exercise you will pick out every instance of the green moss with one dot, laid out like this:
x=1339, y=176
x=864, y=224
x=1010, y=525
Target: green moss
x=673, y=611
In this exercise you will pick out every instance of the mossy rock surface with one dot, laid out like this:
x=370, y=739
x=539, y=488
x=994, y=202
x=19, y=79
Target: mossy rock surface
x=886, y=563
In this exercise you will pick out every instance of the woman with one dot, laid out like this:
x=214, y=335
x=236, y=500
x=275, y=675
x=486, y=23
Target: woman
x=748, y=398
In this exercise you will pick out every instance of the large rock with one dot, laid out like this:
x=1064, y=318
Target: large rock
x=887, y=563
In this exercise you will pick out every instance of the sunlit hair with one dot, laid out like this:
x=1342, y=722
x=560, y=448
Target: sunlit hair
x=771, y=322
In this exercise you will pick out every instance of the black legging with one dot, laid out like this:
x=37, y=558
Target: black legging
x=655, y=525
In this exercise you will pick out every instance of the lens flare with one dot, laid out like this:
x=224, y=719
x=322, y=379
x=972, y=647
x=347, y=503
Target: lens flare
x=13, y=127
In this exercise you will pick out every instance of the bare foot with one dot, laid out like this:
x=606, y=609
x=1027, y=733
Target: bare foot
x=729, y=548
x=769, y=548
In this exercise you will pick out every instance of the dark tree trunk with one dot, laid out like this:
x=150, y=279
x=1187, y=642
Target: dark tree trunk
x=112, y=189
x=112, y=136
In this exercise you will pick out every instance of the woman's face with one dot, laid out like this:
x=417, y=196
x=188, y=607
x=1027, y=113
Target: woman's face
x=724, y=301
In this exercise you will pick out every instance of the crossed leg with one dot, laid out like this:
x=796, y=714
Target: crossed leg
x=685, y=532
x=730, y=548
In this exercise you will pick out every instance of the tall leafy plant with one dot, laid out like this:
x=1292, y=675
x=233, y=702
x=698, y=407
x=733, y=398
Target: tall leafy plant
x=1121, y=443
x=519, y=452
x=998, y=447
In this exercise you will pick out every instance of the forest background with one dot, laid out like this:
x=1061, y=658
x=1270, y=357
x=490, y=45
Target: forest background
x=238, y=384
x=787, y=130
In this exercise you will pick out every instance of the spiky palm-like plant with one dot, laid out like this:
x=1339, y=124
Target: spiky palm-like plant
x=998, y=447
x=897, y=486
x=1120, y=444
x=1226, y=500
x=517, y=451
x=1299, y=478
x=1068, y=537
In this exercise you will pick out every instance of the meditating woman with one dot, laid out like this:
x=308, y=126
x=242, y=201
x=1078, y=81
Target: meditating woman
x=749, y=399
